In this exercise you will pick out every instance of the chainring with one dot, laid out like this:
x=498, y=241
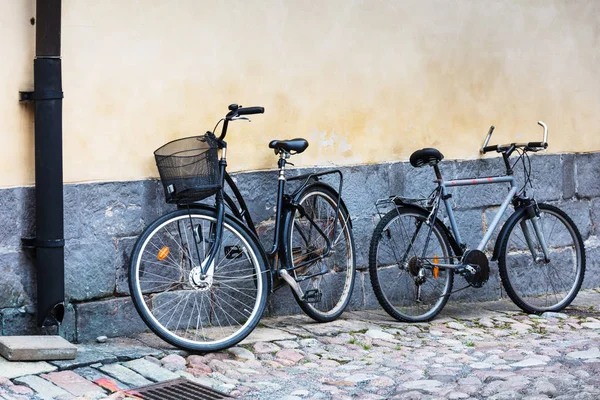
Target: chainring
x=478, y=262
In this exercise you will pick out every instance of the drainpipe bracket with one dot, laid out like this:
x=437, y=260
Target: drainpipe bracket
x=40, y=95
x=33, y=243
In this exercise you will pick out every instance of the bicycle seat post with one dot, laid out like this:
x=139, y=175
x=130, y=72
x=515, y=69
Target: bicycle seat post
x=283, y=156
x=438, y=174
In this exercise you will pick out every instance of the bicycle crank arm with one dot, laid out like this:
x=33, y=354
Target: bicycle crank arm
x=292, y=282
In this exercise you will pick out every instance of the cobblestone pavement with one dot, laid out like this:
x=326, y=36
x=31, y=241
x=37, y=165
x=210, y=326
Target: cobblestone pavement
x=477, y=351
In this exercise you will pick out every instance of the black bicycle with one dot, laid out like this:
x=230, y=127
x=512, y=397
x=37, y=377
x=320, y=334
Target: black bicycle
x=199, y=276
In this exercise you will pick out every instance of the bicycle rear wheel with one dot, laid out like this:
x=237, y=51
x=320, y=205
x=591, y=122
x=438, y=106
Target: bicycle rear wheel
x=406, y=290
x=326, y=282
x=535, y=285
x=181, y=306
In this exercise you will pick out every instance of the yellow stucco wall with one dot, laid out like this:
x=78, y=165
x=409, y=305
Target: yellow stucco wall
x=364, y=81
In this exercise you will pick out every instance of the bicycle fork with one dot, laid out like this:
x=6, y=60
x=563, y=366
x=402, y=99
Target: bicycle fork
x=533, y=216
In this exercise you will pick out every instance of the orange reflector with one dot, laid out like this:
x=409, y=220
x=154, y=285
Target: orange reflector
x=163, y=253
x=436, y=270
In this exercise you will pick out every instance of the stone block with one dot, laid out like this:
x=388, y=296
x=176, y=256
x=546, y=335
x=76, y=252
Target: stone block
x=595, y=216
x=18, y=285
x=420, y=182
x=45, y=389
x=357, y=298
x=89, y=269
x=568, y=175
x=150, y=370
x=15, y=369
x=371, y=302
x=122, y=259
x=17, y=321
x=68, y=327
x=592, y=272
x=488, y=216
x=117, y=208
x=74, y=383
x=397, y=178
x=479, y=195
x=10, y=205
x=362, y=230
x=115, y=317
x=588, y=169
x=579, y=212
x=121, y=349
x=283, y=302
x=73, y=224
x=93, y=374
x=470, y=226
x=363, y=185
x=36, y=348
x=259, y=190
x=125, y=375
x=545, y=177
x=27, y=211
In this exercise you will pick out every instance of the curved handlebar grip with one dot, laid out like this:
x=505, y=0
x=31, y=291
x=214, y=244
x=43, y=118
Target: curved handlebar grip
x=250, y=110
x=489, y=148
x=542, y=145
x=543, y=125
x=487, y=139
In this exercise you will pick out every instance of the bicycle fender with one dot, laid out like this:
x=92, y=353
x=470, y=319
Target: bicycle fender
x=296, y=198
x=458, y=251
x=289, y=214
x=517, y=214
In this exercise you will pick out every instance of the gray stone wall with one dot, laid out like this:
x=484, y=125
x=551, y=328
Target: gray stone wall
x=102, y=221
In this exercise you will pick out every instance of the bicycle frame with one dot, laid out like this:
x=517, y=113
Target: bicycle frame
x=285, y=204
x=474, y=182
x=443, y=194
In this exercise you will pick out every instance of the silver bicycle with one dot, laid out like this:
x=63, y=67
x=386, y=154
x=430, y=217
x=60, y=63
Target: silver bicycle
x=413, y=256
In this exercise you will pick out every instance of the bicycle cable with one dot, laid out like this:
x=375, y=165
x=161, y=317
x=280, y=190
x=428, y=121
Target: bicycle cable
x=217, y=125
x=523, y=156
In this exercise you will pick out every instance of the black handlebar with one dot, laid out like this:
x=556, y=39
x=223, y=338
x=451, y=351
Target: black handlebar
x=490, y=148
x=250, y=110
x=236, y=111
x=542, y=145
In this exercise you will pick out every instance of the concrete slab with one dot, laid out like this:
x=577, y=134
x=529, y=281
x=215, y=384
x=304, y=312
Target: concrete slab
x=36, y=348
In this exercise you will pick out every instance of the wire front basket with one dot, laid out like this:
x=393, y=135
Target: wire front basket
x=189, y=168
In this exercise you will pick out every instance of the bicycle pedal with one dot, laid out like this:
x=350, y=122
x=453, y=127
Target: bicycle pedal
x=233, y=252
x=312, y=296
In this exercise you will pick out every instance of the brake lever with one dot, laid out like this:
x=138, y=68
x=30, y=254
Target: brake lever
x=242, y=118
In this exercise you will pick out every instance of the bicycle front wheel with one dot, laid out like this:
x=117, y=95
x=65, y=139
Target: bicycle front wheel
x=326, y=279
x=182, y=306
x=403, y=278
x=534, y=284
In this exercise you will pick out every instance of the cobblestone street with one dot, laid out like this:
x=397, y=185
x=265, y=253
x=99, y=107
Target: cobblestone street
x=477, y=350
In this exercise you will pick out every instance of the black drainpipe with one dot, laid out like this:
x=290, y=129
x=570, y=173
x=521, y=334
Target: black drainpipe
x=47, y=95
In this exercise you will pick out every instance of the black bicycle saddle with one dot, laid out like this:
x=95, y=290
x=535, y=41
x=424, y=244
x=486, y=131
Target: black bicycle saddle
x=427, y=156
x=296, y=146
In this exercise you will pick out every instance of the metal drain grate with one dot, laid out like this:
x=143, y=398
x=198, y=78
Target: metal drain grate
x=177, y=389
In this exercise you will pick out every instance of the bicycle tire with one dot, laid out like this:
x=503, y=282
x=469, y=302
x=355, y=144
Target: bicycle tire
x=525, y=285
x=303, y=241
x=393, y=281
x=164, y=280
